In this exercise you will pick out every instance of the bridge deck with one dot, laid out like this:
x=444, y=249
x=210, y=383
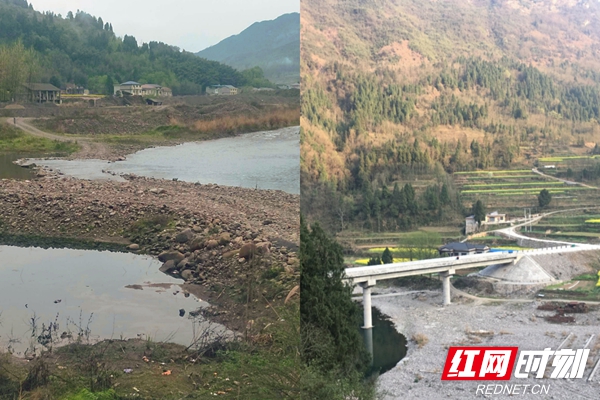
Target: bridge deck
x=436, y=265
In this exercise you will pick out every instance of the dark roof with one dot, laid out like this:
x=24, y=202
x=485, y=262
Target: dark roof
x=465, y=247
x=41, y=86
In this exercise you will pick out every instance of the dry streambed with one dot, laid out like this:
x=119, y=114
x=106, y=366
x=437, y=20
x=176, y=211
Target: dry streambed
x=431, y=329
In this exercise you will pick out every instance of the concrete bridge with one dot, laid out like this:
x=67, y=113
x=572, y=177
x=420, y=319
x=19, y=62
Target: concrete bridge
x=367, y=277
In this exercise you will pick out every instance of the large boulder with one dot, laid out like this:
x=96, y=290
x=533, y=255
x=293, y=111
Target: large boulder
x=184, y=236
x=170, y=255
x=247, y=251
x=168, y=266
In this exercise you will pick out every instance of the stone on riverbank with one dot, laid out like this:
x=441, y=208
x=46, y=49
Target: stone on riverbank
x=184, y=236
x=225, y=238
x=170, y=255
x=247, y=251
x=168, y=266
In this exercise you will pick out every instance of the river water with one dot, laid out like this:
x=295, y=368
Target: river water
x=100, y=294
x=386, y=345
x=10, y=170
x=263, y=160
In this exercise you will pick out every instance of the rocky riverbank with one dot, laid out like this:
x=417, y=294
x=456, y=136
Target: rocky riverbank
x=220, y=240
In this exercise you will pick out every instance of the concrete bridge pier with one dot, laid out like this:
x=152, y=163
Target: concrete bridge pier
x=368, y=338
x=367, y=314
x=446, y=285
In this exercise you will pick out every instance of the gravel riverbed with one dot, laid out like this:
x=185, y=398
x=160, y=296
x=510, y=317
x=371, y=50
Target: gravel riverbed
x=469, y=322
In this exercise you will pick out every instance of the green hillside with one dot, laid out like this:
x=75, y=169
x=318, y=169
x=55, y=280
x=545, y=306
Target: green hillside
x=83, y=50
x=274, y=46
x=398, y=93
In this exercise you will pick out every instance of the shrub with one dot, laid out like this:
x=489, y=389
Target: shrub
x=420, y=339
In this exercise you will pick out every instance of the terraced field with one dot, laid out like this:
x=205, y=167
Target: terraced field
x=405, y=246
x=572, y=227
x=567, y=158
x=510, y=191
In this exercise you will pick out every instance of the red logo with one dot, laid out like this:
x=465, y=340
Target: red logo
x=479, y=363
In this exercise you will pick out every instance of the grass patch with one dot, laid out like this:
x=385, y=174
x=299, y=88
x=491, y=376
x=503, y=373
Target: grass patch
x=15, y=140
x=524, y=191
x=45, y=242
x=586, y=277
x=518, y=185
x=493, y=172
x=530, y=176
x=563, y=158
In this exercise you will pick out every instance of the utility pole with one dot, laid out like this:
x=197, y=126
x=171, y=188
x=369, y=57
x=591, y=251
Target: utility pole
x=527, y=216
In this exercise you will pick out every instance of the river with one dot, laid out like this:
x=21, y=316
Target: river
x=10, y=170
x=263, y=160
x=386, y=345
x=99, y=294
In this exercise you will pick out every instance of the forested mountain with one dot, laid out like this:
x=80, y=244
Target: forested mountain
x=394, y=90
x=82, y=49
x=274, y=46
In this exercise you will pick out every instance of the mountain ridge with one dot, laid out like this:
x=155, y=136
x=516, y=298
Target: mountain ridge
x=425, y=88
x=272, y=45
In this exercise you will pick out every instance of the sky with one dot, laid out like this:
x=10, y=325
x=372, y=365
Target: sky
x=191, y=25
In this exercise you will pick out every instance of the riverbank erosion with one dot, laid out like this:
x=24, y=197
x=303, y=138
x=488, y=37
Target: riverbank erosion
x=221, y=241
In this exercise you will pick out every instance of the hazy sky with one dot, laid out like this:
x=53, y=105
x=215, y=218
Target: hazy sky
x=189, y=24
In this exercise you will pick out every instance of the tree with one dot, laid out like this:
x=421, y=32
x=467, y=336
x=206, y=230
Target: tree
x=55, y=81
x=374, y=261
x=109, y=86
x=386, y=257
x=444, y=195
x=544, y=198
x=129, y=43
x=479, y=211
x=329, y=318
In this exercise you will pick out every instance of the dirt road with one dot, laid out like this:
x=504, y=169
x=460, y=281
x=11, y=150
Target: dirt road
x=88, y=147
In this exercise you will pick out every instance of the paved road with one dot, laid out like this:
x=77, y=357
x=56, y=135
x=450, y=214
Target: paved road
x=510, y=231
x=536, y=171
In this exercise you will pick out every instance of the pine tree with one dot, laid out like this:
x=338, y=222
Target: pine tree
x=479, y=211
x=329, y=318
x=386, y=257
x=544, y=198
